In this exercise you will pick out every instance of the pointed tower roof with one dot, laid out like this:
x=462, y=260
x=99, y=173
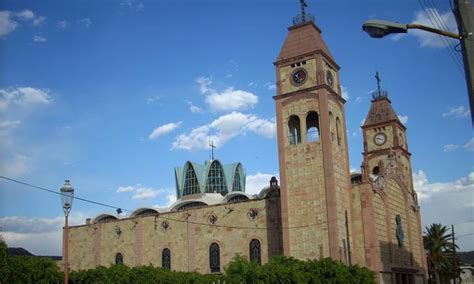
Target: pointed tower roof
x=301, y=40
x=381, y=110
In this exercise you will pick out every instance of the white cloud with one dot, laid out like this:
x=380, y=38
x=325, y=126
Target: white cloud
x=448, y=203
x=134, y=5
x=26, y=15
x=39, y=21
x=7, y=24
x=270, y=86
x=9, y=124
x=14, y=164
x=145, y=193
x=125, y=188
x=62, y=24
x=38, y=38
x=255, y=183
x=231, y=99
x=204, y=83
x=139, y=191
x=40, y=236
x=170, y=199
x=193, y=108
x=345, y=93
x=450, y=147
x=403, y=119
x=425, y=189
x=427, y=39
x=152, y=100
x=459, y=111
x=8, y=20
x=469, y=145
x=86, y=22
x=226, y=127
x=227, y=100
x=353, y=170
x=24, y=96
x=164, y=129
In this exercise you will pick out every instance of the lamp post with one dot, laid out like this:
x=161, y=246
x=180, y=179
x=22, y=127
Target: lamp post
x=67, y=196
x=464, y=13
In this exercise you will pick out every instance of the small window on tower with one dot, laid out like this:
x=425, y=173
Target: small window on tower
x=312, y=126
x=294, y=130
x=376, y=170
x=331, y=125
x=338, y=131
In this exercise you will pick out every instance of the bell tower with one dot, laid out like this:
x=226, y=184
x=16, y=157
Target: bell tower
x=312, y=145
x=393, y=223
x=384, y=136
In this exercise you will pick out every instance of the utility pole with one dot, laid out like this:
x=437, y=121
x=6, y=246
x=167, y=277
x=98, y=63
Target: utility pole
x=464, y=13
x=454, y=254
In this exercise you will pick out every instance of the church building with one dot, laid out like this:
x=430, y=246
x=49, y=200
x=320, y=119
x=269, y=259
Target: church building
x=317, y=208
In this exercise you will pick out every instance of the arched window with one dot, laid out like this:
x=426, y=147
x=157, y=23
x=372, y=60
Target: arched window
x=331, y=125
x=118, y=258
x=216, y=180
x=166, y=258
x=338, y=131
x=376, y=170
x=215, y=258
x=312, y=127
x=294, y=130
x=255, y=251
x=191, y=184
x=236, y=186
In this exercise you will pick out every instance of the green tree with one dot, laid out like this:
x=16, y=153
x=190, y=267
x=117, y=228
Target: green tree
x=440, y=252
x=4, y=268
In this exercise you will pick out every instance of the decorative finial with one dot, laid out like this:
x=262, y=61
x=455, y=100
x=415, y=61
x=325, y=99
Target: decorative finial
x=303, y=17
x=377, y=77
x=303, y=14
x=379, y=93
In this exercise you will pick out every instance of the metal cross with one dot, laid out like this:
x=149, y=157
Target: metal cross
x=211, y=145
x=303, y=5
x=377, y=77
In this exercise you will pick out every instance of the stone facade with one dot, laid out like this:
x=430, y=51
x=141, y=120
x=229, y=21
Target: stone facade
x=319, y=210
x=188, y=235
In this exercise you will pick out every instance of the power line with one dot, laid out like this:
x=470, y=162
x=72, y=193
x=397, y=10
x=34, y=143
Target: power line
x=465, y=235
x=444, y=26
x=59, y=193
x=164, y=217
x=434, y=19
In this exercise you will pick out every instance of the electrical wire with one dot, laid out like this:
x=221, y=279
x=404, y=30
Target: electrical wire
x=59, y=193
x=465, y=235
x=437, y=22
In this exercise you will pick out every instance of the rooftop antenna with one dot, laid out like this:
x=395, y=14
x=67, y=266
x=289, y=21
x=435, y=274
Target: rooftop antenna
x=303, y=13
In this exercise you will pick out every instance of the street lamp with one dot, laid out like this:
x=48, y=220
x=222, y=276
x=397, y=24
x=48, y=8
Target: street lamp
x=380, y=28
x=464, y=13
x=67, y=196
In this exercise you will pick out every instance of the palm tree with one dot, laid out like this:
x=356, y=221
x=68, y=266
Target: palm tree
x=438, y=246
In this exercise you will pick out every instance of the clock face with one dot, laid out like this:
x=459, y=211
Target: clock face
x=299, y=76
x=380, y=138
x=329, y=78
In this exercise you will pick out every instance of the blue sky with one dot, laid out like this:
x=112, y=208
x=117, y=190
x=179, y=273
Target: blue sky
x=114, y=94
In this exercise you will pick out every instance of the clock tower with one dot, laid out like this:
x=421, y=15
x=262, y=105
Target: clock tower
x=393, y=239
x=312, y=146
